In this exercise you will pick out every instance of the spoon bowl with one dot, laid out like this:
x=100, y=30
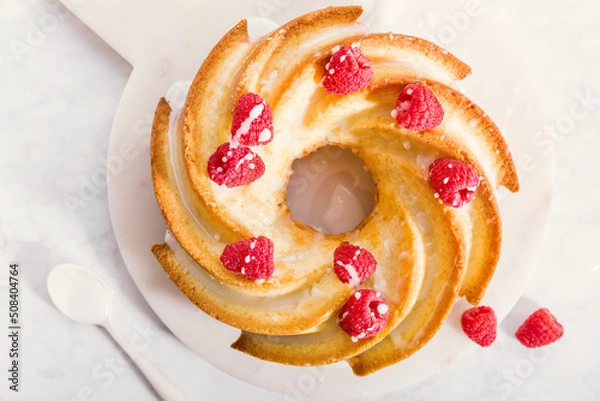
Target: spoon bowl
x=79, y=293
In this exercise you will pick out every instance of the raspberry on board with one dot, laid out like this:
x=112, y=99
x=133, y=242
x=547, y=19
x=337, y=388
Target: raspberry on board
x=233, y=167
x=480, y=325
x=347, y=71
x=364, y=315
x=353, y=264
x=252, y=258
x=252, y=122
x=453, y=181
x=417, y=108
x=539, y=329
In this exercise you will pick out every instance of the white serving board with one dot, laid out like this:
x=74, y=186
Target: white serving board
x=166, y=41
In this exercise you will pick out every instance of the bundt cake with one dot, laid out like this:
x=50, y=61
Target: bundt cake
x=220, y=166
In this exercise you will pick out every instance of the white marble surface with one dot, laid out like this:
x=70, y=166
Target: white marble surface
x=59, y=95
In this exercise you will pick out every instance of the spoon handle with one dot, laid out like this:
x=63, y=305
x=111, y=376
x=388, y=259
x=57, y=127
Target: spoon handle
x=161, y=383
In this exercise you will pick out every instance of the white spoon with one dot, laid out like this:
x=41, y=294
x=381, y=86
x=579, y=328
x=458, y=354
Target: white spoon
x=85, y=298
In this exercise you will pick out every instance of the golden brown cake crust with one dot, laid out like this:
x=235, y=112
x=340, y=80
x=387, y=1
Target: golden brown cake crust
x=234, y=315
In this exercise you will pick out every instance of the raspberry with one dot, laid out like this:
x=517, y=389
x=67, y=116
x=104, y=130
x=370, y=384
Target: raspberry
x=539, y=329
x=347, y=71
x=364, y=315
x=252, y=122
x=233, y=167
x=417, y=108
x=479, y=324
x=353, y=264
x=252, y=258
x=454, y=182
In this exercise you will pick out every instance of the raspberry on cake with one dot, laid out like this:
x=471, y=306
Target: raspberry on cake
x=353, y=264
x=233, y=167
x=373, y=296
x=453, y=181
x=252, y=122
x=364, y=315
x=417, y=108
x=347, y=71
x=252, y=258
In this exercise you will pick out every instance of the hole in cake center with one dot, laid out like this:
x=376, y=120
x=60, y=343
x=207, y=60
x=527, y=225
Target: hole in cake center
x=330, y=190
